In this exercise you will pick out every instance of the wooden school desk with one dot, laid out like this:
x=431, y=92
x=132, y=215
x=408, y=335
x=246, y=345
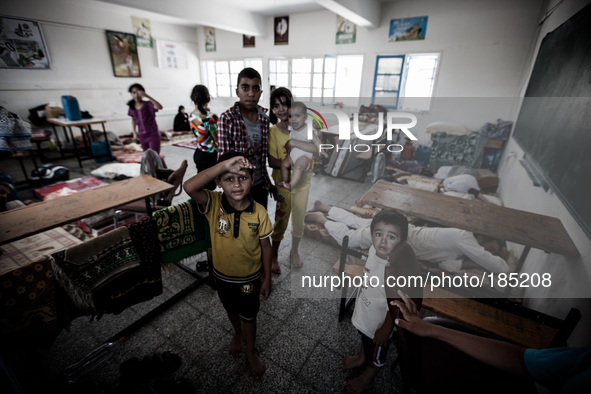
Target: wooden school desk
x=528, y=229
x=25, y=221
x=85, y=128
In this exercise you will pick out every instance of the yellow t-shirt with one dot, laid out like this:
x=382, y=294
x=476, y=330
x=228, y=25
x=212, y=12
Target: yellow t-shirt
x=235, y=238
x=276, y=148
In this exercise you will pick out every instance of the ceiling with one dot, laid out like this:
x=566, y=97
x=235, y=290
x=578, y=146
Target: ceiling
x=241, y=16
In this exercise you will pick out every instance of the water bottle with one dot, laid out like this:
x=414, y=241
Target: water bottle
x=91, y=360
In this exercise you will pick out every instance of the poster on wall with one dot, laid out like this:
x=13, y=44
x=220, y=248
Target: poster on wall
x=209, y=39
x=281, y=30
x=247, y=41
x=143, y=31
x=22, y=44
x=123, y=49
x=346, y=31
x=408, y=29
x=171, y=54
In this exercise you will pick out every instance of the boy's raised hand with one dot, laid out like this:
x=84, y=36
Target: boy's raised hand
x=237, y=165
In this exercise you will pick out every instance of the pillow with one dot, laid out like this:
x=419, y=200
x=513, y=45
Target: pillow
x=449, y=128
x=111, y=170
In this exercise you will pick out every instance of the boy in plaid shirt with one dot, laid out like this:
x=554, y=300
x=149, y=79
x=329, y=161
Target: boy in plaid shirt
x=244, y=128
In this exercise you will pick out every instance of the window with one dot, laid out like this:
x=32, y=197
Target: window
x=278, y=73
x=405, y=81
x=322, y=79
x=221, y=77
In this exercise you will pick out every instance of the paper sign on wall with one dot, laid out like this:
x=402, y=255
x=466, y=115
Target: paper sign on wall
x=210, y=45
x=346, y=31
x=22, y=44
x=171, y=54
x=143, y=31
x=408, y=29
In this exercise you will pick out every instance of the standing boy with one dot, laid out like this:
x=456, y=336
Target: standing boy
x=240, y=230
x=371, y=317
x=244, y=128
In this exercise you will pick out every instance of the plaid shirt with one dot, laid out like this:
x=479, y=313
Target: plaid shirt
x=231, y=134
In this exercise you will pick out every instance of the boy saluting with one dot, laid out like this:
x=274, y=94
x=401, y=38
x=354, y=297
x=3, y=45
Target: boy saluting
x=240, y=230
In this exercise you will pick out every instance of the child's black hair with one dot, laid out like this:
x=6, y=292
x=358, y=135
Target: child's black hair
x=393, y=217
x=278, y=95
x=200, y=96
x=181, y=108
x=229, y=155
x=249, y=73
x=131, y=103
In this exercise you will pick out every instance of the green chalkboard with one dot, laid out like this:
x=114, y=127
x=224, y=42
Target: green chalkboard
x=554, y=123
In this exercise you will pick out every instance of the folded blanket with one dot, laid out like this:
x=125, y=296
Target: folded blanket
x=83, y=268
x=182, y=231
x=140, y=283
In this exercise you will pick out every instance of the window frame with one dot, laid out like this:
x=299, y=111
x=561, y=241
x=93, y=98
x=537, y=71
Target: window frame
x=403, y=78
x=375, y=79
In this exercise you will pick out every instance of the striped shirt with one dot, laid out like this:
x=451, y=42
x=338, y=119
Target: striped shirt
x=203, y=127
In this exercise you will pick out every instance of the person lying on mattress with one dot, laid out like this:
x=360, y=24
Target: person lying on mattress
x=448, y=247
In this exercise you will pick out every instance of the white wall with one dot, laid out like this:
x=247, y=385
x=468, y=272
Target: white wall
x=484, y=47
x=81, y=64
x=517, y=191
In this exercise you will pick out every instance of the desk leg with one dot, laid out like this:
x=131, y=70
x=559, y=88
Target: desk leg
x=107, y=141
x=58, y=141
x=148, y=206
x=75, y=147
x=519, y=265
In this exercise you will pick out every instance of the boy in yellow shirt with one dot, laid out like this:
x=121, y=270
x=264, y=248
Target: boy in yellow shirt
x=240, y=231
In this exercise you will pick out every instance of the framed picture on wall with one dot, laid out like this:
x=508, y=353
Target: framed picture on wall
x=408, y=29
x=281, y=30
x=22, y=45
x=124, y=58
x=247, y=41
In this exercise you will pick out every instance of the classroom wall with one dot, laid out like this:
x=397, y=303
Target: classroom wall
x=517, y=191
x=81, y=65
x=483, y=44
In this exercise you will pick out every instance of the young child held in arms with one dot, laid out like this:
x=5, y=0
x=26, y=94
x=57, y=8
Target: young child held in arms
x=297, y=160
x=371, y=317
x=240, y=230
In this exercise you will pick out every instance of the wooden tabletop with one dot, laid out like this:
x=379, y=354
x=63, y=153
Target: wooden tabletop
x=508, y=325
x=528, y=229
x=81, y=122
x=25, y=221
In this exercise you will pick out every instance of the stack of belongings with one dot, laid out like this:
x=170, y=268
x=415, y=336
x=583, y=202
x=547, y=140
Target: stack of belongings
x=183, y=232
x=111, y=272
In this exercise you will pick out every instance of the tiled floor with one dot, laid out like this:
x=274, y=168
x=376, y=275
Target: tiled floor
x=299, y=339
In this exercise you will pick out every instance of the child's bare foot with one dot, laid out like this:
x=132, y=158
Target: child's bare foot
x=359, y=384
x=275, y=266
x=236, y=345
x=296, y=260
x=257, y=367
x=315, y=217
x=352, y=362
